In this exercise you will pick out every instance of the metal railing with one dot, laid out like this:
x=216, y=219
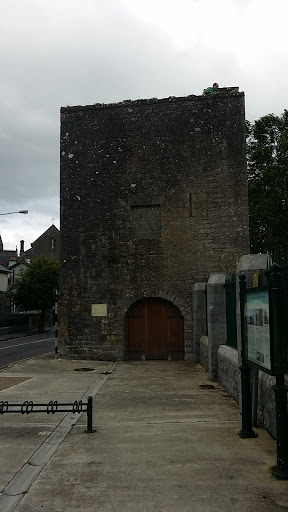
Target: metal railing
x=28, y=407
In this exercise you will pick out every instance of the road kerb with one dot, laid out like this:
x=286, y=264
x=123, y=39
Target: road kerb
x=10, y=365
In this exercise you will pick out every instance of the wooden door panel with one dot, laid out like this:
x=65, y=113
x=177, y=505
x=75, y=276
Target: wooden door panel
x=156, y=348
x=155, y=330
x=136, y=332
x=175, y=324
x=175, y=338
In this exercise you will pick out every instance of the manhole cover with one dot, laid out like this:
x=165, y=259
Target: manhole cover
x=84, y=369
x=207, y=386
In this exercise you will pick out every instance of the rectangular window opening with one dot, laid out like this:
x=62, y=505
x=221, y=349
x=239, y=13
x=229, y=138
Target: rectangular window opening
x=145, y=222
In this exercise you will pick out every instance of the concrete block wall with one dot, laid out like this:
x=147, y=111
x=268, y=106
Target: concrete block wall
x=266, y=402
x=228, y=370
x=230, y=378
x=216, y=317
x=199, y=300
x=203, y=350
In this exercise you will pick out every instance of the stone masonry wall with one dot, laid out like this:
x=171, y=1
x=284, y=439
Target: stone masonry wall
x=228, y=370
x=229, y=376
x=183, y=161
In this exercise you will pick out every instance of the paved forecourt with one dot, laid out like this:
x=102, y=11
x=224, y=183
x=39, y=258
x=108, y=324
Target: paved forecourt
x=166, y=441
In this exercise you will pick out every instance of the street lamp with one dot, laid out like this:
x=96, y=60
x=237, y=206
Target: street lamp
x=20, y=211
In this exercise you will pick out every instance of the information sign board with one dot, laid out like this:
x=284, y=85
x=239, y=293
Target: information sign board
x=258, y=328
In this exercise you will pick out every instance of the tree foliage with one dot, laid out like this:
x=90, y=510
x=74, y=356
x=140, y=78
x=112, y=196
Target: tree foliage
x=34, y=288
x=267, y=151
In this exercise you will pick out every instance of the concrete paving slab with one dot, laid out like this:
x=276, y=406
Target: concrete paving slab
x=48, y=364
x=141, y=397
x=70, y=384
x=7, y=382
x=9, y=503
x=152, y=475
x=21, y=435
x=17, y=444
x=163, y=444
x=44, y=454
x=23, y=481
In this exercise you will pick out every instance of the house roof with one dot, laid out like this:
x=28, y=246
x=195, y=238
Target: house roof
x=49, y=230
x=5, y=256
x=47, y=244
x=29, y=252
x=4, y=270
x=17, y=264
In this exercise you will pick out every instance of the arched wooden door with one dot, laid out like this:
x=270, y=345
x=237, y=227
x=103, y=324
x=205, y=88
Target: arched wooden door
x=155, y=330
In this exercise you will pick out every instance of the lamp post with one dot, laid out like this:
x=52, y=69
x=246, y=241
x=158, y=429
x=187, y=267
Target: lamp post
x=20, y=211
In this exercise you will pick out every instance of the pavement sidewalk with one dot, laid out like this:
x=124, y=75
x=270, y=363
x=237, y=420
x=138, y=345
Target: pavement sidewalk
x=164, y=443
x=24, y=334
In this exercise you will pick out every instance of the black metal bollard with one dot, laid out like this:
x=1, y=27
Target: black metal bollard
x=280, y=389
x=247, y=430
x=90, y=428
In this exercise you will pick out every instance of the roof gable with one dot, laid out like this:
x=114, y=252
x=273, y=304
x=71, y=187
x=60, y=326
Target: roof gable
x=4, y=270
x=50, y=231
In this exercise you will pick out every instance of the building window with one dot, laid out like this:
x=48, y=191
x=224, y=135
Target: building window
x=145, y=222
x=53, y=243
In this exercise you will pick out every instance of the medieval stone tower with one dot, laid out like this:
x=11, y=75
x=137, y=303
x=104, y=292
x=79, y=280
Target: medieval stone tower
x=153, y=199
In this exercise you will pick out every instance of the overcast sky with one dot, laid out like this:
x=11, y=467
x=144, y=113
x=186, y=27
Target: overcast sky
x=55, y=53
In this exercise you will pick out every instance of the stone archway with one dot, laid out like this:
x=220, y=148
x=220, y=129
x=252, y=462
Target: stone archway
x=155, y=330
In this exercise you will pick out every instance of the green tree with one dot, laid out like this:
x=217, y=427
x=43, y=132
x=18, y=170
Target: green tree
x=34, y=288
x=267, y=152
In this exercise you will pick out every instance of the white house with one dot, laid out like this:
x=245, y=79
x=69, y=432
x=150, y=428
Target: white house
x=15, y=270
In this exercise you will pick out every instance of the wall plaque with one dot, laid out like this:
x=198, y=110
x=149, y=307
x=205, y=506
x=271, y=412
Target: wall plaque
x=99, y=309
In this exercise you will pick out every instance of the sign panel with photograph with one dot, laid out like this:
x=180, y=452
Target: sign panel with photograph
x=258, y=328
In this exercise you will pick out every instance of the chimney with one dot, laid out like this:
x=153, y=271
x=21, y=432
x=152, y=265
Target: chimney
x=21, y=248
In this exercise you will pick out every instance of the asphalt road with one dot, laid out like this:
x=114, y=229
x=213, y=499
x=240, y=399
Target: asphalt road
x=21, y=348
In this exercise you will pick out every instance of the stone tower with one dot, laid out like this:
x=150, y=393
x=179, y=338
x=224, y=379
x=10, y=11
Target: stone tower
x=153, y=199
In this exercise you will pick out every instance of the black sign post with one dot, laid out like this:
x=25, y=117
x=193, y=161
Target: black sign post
x=280, y=389
x=246, y=430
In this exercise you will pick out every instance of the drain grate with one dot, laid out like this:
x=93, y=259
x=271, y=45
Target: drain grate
x=84, y=369
x=207, y=386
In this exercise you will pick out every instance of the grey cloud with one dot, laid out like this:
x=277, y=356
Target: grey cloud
x=64, y=53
